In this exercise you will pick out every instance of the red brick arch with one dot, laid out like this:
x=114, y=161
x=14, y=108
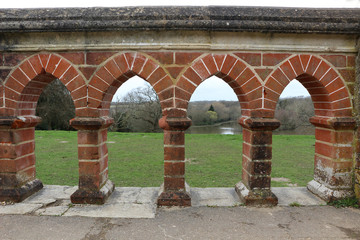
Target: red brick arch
x=25, y=84
x=234, y=71
x=333, y=120
x=118, y=69
x=326, y=87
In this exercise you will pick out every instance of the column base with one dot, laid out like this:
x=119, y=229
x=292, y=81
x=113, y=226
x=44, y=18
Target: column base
x=174, y=198
x=19, y=194
x=256, y=197
x=85, y=196
x=328, y=194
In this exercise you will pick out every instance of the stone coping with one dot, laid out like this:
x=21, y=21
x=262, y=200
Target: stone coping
x=207, y=18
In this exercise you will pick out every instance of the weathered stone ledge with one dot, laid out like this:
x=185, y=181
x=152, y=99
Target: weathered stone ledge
x=211, y=18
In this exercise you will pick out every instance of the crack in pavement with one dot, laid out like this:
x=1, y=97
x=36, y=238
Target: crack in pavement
x=104, y=225
x=350, y=233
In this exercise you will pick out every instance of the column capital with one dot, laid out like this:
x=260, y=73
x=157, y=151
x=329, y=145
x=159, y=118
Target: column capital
x=175, y=123
x=259, y=124
x=19, y=122
x=84, y=123
x=337, y=123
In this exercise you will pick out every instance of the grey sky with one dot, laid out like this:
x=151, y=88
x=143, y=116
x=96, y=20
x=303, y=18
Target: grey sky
x=212, y=89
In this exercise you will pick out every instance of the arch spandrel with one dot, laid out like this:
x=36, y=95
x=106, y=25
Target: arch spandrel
x=325, y=86
x=233, y=70
x=25, y=83
x=118, y=69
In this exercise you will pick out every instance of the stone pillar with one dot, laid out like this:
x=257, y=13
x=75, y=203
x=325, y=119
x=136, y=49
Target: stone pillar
x=94, y=185
x=174, y=191
x=254, y=189
x=17, y=158
x=357, y=166
x=357, y=110
x=333, y=176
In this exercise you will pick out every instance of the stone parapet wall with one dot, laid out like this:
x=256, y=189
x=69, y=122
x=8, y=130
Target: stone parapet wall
x=256, y=51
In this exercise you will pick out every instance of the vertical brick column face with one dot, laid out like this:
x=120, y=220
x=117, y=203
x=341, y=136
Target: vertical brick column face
x=257, y=154
x=356, y=63
x=357, y=166
x=174, y=160
x=93, y=158
x=257, y=158
x=17, y=158
x=94, y=185
x=174, y=190
x=333, y=157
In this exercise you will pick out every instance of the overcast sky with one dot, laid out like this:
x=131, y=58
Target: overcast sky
x=213, y=88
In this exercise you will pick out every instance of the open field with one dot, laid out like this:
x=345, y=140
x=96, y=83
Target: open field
x=136, y=159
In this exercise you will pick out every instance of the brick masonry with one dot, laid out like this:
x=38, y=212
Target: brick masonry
x=257, y=78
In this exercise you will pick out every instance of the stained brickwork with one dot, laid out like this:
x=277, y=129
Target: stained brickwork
x=257, y=78
x=256, y=51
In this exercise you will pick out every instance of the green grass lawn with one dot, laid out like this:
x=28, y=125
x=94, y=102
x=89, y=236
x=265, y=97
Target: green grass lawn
x=136, y=159
x=293, y=158
x=56, y=157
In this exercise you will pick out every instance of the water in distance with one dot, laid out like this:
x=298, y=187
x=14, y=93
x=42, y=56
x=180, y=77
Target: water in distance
x=234, y=128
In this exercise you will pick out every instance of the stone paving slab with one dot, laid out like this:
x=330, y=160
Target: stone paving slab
x=19, y=208
x=51, y=193
x=300, y=195
x=125, y=210
x=220, y=197
x=138, y=202
x=134, y=195
x=52, y=211
x=124, y=202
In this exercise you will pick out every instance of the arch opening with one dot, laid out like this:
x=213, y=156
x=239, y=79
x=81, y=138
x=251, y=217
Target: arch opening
x=234, y=71
x=332, y=109
x=213, y=142
x=135, y=107
x=294, y=110
x=23, y=88
x=56, y=149
x=55, y=107
x=136, y=110
x=214, y=95
x=117, y=70
x=294, y=141
x=101, y=89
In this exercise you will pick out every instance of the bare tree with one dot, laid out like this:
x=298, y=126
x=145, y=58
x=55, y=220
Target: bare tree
x=294, y=112
x=138, y=111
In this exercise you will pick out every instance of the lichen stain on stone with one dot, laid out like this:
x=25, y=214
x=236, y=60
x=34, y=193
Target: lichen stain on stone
x=329, y=176
x=22, y=177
